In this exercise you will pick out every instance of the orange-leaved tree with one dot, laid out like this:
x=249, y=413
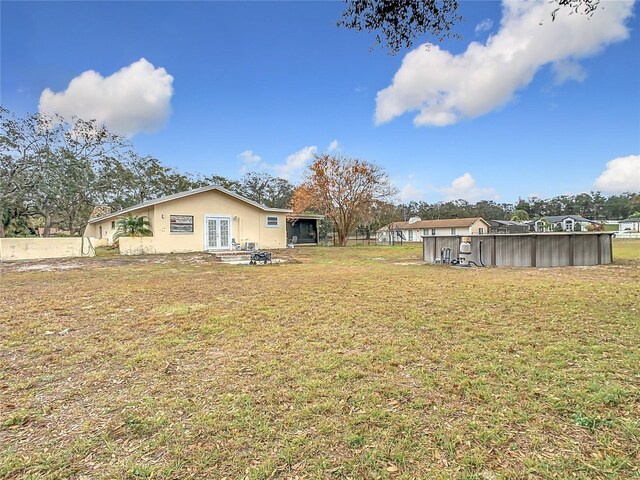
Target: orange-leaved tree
x=342, y=188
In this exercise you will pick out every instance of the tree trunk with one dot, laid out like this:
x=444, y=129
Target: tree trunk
x=342, y=237
x=72, y=221
x=47, y=226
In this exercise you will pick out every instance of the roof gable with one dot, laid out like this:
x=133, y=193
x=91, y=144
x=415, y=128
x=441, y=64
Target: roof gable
x=195, y=191
x=561, y=218
x=510, y=223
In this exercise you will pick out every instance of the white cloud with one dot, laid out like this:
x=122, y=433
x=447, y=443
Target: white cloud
x=288, y=170
x=621, y=175
x=294, y=163
x=334, y=146
x=409, y=193
x=484, y=26
x=568, y=70
x=250, y=161
x=465, y=188
x=134, y=99
x=446, y=88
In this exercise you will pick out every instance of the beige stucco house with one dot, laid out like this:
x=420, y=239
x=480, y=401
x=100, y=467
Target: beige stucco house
x=203, y=219
x=414, y=229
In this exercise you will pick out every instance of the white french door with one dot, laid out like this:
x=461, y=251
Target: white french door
x=217, y=233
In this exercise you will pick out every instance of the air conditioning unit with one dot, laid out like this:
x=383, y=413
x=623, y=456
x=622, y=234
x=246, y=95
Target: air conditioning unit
x=251, y=246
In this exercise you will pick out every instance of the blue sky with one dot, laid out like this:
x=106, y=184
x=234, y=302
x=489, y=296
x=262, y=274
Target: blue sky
x=225, y=88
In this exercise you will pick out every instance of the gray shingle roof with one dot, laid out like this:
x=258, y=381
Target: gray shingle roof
x=560, y=218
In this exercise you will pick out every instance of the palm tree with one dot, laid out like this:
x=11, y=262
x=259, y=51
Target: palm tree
x=133, y=226
x=520, y=216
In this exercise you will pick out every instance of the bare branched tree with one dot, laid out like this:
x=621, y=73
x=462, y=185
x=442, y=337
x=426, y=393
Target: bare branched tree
x=344, y=189
x=397, y=24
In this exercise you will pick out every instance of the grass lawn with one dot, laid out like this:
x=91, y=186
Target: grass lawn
x=626, y=249
x=350, y=363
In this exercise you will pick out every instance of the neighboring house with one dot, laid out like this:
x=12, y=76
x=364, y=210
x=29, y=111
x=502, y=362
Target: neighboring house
x=631, y=224
x=565, y=222
x=509, y=226
x=206, y=218
x=415, y=228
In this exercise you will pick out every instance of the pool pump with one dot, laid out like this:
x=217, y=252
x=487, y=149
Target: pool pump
x=464, y=255
x=464, y=252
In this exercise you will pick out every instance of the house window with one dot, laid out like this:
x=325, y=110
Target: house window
x=113, y=224
x=453, y=231
x=273, y=222
x=433, y=231
x=411, y=235
x=425, y=231
x=181, y=223
x=480, y=230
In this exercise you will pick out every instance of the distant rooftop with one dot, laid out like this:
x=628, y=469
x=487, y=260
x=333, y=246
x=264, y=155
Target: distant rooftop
x=560, y=218
x=444, y=223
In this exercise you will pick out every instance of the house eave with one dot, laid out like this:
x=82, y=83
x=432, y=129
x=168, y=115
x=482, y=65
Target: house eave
x=179, y=195
x=304, y=216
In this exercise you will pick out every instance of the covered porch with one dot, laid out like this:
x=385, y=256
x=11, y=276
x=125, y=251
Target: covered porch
x=302, y=229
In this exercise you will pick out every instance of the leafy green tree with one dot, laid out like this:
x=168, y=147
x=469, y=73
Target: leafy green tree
x=265, y=189
x=20, y=144
x=54, y=172
x=486, y=209
x=634, y=202
x=231, y=185
x=380, y=213
x=489, y=209
x=618, y=206
x=133, y=226
x=136, y=179
x=523, y=205
x=584, y=205
x=598, y=204
x=537, y=207
x=48, y=166
x=520, y=216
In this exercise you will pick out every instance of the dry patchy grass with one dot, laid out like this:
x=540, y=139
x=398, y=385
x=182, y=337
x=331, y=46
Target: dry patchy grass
x=626, y=249
x=353, y=363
